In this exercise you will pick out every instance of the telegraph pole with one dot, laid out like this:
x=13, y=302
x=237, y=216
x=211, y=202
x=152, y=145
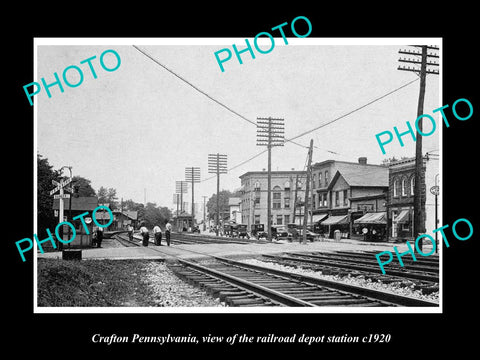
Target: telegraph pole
x=181, y=188
x=270, y=132
x=418, y=211
x=217, y=164
x=204, y=225
x=307, y=191
x=192, y=174
x=295, y=200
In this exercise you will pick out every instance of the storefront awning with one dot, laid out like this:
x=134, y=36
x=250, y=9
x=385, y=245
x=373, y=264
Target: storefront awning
x=335, y=220
x=318, y=217
x=402, y=217
x=378, y=218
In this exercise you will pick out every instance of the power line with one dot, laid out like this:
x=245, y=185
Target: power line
x=351, y=112
x=329, y=122
x=253, y=123
x=193, y=86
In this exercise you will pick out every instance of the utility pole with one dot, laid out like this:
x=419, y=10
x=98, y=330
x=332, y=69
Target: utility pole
x=217, y=164
x=270, y=132
x=192, y=174
x=307, y=192
x=181, y=188
x=204, y=225
x=418, y=209
x=295, y=200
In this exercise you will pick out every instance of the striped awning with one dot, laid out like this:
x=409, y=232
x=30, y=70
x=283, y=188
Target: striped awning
x=402, y=217
x=378, y=218
x=335, y=220
x=318, y=217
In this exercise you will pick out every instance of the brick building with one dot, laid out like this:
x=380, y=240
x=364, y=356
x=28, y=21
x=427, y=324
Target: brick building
x=401, y=197
x=253, y=200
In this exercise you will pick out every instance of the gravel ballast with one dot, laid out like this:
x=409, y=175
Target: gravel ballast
x=352, y=280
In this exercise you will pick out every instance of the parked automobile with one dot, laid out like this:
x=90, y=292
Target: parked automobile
x=282, y=232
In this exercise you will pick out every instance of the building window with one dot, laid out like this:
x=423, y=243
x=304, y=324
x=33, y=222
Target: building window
x=287, y=185
x=257, y=219
x=287, y=219
x=412, y=185
x=279, y=220
x=257, y=186
x=313, y=181
x=337, y=198
x=287, y=203
x=319, y=179
x=326, y=177
x=396, y=187
x=345, y=198
x=277, y=197
x=404, y=187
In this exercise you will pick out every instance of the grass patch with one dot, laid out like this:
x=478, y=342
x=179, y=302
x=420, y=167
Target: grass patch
x=93, y=283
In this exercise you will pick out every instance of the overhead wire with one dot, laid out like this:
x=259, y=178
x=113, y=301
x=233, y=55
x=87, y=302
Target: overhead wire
x=253, y=123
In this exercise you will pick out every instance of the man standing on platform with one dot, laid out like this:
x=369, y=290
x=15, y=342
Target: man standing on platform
x=168, y=229
x=157, y=233
x=145, y=234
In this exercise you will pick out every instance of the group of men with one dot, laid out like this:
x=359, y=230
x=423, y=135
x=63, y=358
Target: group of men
x=157, y=232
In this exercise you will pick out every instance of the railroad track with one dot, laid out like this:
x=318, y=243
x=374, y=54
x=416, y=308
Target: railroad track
x=350, y=264
x=180, y=238
x=241, y=284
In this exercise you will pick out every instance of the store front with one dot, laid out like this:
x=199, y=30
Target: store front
x=371, y=227
x=336, y=222
x=402, y=223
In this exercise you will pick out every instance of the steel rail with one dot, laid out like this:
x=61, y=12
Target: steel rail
x=274, y=295
x=373, y=295
x=352, y=266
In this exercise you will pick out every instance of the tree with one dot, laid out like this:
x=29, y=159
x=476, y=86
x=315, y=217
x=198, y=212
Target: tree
x=155, y=215
x=45, y=214
x=224, y=195
x=108, y=196
x=84, y=187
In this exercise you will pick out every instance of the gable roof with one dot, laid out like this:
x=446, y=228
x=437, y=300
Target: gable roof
x=362, y=175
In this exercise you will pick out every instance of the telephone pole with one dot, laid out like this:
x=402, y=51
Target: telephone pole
x=181, y=188
x=204, y=225
x=270, y=132
x=192, y=174
x=425, y=54
x=217, y=164
x=307, y=191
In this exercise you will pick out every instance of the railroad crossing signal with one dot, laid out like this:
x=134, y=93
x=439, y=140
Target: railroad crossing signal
x=61, y=196
x=60, y=185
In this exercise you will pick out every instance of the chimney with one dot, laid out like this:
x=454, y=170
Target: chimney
x=362, y=160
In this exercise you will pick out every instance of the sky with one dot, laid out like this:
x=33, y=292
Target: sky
x=135, y=129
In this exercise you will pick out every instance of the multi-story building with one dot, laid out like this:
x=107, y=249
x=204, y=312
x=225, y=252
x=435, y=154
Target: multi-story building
x=345, y=191
x=401, y=197
x=253, y=204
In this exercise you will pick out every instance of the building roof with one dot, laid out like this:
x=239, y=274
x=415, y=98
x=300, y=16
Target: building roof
x=273, y=173
x=363, y=175
x=83, y=203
